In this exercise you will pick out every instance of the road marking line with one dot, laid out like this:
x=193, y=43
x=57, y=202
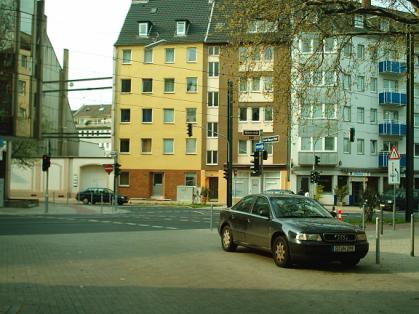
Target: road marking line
x=117, y=223
x=171, y=228
x=93, y=220
x=201, y=213
x=143, y=225
x=106, y=221
x=131, y=224
x=157, y=227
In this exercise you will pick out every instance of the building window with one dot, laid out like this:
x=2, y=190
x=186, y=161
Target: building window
x=169, y=55
x=214, y=51
x=391, y=85
x=255, y=54
x=243, y=54
x=416, y=120
x=148, y=55
x=359, y=21
x=329, y=45
x=360, y=115
x=190, y=146
x=268, y=113
x=330, y=111
x=147, y=115
x=317, y=111
x=360, y=51
x=168, y=115
x=125, y=115
x=191, y=115
x=391, y=116
x=191, y=54
x=416, y=150
x=213, y=99
x=181, y=28
x=124, y=145
x=143, y=29
x=212, y=128
x=243, y=84
x=268, y=54
x=347, y=81
x=213, y=69
x=373, y=84
x=242, y=114
x=169, y=85
x=168, y=146
x=126, y=56
x=347, y=50
x=373, y=115
x=346, y=113
x=146, y=145
x=346, y=145
x=124, y=178
x=191, y=84
x=190, y=179
x=267, y=84
x=147, y=85
x=125, y=86
x=306, y=144
x=360, y=83
x=21, y=87
x=373, y=147
x=256, y=84
x=329, y=143
x=242, y=147
x=255, y=114
x=24, y=61
x=384, y=25
x=360, y=146
x=212, y=157
x=268, y=147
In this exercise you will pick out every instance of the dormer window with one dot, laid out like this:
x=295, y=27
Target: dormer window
x=144, y=29
x=181, y=28
x=359, y=21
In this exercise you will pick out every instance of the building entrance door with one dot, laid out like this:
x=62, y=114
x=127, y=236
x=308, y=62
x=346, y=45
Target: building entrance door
x=213, y=188
x=157, y=185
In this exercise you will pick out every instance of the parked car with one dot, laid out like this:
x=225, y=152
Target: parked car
x=293, y=228
x=96, y=195
x=387, y=198
x=279, y=191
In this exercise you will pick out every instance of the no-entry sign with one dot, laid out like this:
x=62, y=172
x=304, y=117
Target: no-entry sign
x=108, y=168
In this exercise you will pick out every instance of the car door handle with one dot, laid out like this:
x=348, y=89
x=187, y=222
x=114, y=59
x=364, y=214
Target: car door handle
x=249, y=220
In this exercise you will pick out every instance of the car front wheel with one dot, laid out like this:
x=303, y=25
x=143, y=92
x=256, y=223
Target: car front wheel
x=227, y=241
x=85, y=201
x=280, y=252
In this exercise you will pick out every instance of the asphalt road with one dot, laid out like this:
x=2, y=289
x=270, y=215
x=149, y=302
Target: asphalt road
x=137, y=219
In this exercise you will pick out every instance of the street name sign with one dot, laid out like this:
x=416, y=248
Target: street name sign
x=251, y=132
x=271, y=139
x=394, y=166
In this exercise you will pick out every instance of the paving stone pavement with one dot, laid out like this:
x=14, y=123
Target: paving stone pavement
x=185, y=271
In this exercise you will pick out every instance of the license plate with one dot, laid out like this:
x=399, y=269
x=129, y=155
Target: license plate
x=343, y=248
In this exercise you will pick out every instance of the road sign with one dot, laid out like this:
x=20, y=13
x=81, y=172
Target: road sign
x=108, y=168
x=259, y=146
x=251, y=132
x=271, y=139
x=394, y=154
x=394, y=171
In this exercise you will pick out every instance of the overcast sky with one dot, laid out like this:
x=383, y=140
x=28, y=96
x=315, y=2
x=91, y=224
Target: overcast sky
x=89, y=29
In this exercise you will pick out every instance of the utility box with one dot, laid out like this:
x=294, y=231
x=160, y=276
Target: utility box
x=187, y=194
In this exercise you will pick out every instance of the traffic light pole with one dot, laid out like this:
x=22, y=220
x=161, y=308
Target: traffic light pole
x=230, y=143
x=261, y=162
x=47, y=179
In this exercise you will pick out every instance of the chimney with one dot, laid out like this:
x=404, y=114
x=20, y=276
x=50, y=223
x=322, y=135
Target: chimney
x=366, y=4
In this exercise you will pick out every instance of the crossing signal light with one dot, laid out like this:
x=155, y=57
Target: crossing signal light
x=314, y=176
x=352, y=134
x=189, y=129
x=117, y=170
x=46, y=162
x=265, y=155
x=255, y=166
x=226, y=176
x=316, y=160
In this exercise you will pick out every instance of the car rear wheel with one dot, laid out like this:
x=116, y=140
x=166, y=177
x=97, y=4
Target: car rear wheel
x=280, y=252
x=350, y=262
x=85, y=201
x=227, y=241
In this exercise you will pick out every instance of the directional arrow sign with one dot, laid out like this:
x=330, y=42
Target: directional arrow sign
x=259, y=146
x=271, y=139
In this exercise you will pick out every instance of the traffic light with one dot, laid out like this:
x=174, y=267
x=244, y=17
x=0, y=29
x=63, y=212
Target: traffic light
x=189, y=129
x=313, y=176
x=255, y=166
x=226, y=172
x=352, y=134
x=117, y=170
x=316, y=160
x=265, y=155
x=317, y=175
x=46, y=162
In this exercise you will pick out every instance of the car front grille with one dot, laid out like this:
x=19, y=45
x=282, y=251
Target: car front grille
x=339, y=237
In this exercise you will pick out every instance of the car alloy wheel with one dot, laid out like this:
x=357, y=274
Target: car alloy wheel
x=85, y=201
x=280, y=252
x=227, y=240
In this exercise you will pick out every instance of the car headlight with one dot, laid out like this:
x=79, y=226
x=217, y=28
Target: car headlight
x=308, y=237
x=361, y=237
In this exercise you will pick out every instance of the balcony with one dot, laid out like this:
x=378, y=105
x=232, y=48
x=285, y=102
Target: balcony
x=383, y=159
x=326, y=158
x=392, y=128
x=392, y=98
x=391, y=67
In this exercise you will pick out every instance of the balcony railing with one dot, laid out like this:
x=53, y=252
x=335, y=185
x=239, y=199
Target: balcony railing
x=392, y=128
x=392, y=98
x=383, y=159
x=392, y=67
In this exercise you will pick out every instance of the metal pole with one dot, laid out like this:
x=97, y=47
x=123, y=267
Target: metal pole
x=394, y=207
x=261, y=162
x=47, y=179
x=377, y=240
x=212, y=215
x=363, y=216
x=382, y=220
x=412, y=235
x=91, y=198
x=101, y=202
x=230, y=143
x=410, y=82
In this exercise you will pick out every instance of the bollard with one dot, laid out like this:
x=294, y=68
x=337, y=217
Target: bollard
x=363, y=217
x=412, y=235
x=101, y=202
x=382, y=220
x=91, y=198
x=212, y=215
x=339, y=215
x=377, y=240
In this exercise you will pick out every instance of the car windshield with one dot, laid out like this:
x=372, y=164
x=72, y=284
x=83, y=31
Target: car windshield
x=298, y=207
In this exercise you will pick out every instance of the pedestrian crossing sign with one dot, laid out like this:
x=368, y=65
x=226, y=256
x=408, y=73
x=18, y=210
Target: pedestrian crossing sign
x=394, y=154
